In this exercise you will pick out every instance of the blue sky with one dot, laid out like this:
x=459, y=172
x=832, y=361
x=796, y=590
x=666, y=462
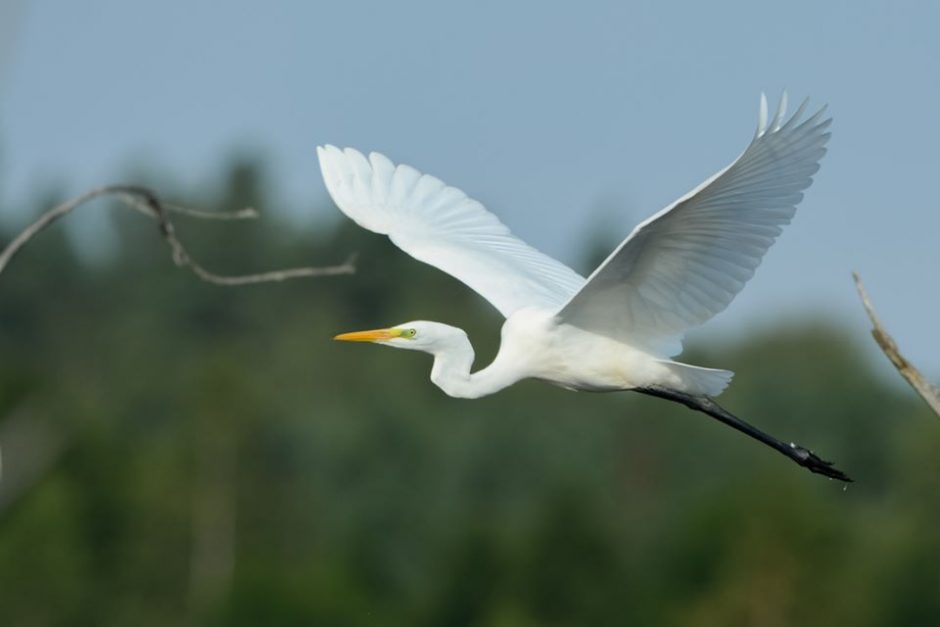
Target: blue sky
x=559, y=117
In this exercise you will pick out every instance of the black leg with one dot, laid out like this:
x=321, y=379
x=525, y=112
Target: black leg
x=803, y=457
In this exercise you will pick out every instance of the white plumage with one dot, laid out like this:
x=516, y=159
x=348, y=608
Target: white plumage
x=440, y=225
x=687, y=262
x=617, y=329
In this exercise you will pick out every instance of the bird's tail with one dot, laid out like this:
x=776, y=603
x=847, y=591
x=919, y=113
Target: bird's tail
x=700, y=381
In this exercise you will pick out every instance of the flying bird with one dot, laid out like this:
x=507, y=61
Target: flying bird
x=618, y=328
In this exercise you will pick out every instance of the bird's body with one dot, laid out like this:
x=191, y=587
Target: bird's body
x=534, y=345
x=618, y=328
x=570, y=357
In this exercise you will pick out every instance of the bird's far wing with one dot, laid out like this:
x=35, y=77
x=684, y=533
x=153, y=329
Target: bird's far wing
x=441, y=226
x=686, y=263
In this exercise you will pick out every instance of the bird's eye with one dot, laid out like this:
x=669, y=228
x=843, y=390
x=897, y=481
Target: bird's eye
x=408, y=333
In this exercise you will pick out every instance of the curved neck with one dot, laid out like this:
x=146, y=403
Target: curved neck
x=451, y=371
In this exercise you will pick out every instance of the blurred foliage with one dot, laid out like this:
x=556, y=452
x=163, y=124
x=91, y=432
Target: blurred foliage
x=226, y=463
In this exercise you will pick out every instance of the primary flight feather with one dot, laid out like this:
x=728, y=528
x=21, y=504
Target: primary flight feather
x=616, y=329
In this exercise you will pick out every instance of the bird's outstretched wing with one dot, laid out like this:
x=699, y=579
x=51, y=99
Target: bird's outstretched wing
x=686, y=263
x=441, y=226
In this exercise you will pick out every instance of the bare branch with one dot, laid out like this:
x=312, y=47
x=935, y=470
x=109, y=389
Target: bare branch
x=927, y=391
x=248, y=213
x=147, y=202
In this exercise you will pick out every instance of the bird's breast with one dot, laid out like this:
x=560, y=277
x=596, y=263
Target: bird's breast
x=568, y=356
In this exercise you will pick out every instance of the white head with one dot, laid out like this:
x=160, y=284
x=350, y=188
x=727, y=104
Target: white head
x=420, y=335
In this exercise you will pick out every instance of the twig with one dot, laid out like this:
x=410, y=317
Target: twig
x=248, y=213
x=927, y=391
x=148, y=202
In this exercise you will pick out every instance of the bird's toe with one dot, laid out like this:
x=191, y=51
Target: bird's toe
x=809, y=460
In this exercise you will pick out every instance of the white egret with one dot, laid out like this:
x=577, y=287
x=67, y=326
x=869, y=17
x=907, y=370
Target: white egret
x=617, y=329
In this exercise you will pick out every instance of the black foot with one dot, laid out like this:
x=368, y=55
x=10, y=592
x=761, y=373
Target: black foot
x=808, y=459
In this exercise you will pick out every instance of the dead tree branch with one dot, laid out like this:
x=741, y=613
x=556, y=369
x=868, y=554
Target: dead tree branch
x=149, y=203
x=927, y=391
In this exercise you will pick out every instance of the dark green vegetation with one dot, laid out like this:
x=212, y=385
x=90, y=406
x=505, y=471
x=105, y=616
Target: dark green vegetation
x=223, y=462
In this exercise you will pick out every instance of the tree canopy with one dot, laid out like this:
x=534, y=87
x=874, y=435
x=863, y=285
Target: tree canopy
x=207, y=455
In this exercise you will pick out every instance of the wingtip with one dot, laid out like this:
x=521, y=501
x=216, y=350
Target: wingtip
x=779, y=121
x=766, y=124
x=781, y=113
x=762, y=115
x=798, y=114
x=327, y=152
x=380, y=161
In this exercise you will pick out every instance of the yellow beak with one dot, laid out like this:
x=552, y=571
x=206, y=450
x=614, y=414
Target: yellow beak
x=376, y=335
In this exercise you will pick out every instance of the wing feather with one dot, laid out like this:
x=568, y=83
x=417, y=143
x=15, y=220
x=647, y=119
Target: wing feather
x=686, y=263
x=441, y=226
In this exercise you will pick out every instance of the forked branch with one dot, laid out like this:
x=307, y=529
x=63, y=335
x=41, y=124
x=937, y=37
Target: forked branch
x=922, y=386
x=149, y=203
